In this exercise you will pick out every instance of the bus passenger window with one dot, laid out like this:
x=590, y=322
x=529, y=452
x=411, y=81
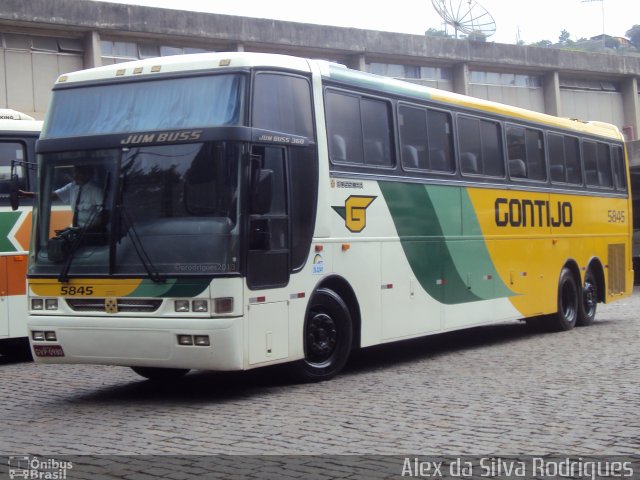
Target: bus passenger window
x=590, y=163
x=604, y=165
x=439, y=126
x=11, y=151
x=619, y=169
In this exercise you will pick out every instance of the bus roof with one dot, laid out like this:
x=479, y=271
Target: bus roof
x=184, y=63
x=14, y=121
x=221, y=60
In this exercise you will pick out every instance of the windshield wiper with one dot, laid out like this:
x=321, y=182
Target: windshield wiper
x=148, y=265
x=78, y=234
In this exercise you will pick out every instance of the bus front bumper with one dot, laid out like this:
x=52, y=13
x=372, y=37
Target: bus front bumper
x=204, y=344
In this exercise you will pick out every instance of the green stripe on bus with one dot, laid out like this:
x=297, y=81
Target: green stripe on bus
x=7, y=222
x=429, y=219
x=171, y=288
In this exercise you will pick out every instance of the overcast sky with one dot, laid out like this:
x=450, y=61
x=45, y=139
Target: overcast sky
x=532, y=20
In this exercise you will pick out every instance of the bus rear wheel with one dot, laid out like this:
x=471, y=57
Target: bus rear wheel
x=327, y=337
x=568, y=302
x=589, y=300
x=157, y=374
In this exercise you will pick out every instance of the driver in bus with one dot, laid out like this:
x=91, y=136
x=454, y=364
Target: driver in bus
x=83, y=196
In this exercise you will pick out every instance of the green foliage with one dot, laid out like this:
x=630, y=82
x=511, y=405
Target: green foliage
x=633, y=34
x=432, y=32
x=564, y=38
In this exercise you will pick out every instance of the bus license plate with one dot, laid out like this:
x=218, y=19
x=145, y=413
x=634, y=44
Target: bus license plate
x=48, y=351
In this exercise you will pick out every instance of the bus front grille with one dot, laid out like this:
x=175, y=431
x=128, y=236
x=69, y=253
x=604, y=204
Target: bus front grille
x=138, y=305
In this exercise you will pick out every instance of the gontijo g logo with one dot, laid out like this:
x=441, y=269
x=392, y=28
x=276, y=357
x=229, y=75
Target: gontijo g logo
x=354, y=212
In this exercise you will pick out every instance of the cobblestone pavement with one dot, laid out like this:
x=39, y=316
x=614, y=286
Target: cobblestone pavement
x=505, y=389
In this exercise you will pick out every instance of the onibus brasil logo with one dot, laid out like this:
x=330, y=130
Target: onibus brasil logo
x=24, y=466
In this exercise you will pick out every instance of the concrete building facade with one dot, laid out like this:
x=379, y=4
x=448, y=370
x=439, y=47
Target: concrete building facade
x=41, y=39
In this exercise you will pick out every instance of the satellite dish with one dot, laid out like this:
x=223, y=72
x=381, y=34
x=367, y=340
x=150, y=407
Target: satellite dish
x=466, y=16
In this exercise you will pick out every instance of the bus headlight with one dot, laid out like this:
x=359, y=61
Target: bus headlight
x=200, y=305
x=181, y=305
x=37, y=304
x=51, y=304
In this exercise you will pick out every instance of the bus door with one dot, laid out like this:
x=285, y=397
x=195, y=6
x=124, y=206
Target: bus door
x=268, y=255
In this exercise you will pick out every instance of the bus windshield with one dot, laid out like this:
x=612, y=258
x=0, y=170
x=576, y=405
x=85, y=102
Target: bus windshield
x=172, y=209
x=161, y=104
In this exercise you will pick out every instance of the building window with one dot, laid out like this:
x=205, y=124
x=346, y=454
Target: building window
x=504, y=79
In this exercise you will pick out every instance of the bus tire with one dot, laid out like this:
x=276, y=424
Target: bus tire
x=568, y=302
x=588, y=301
x=157, y=373
x=327, y=337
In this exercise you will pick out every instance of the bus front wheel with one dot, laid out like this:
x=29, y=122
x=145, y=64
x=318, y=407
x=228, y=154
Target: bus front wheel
x=327, y=337
x=157, y=374
x=568, y=302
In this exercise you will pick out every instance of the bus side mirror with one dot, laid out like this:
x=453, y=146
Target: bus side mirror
x=13, y=192
x=262, y=192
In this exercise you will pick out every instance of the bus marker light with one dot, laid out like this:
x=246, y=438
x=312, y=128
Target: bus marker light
x=37, y=336
x=319, y=248
x=51, y=304
x=200, y=306
x=295, y=296
x=387, y=286
x=137, y=70
x=225, y=62
x=37, y=304
x=346, y=246
x=181, y=305
x=201, y=340
x=156, y=68
x=223, y=305
x=185, y=340
x=441, y=281
x=121, y=72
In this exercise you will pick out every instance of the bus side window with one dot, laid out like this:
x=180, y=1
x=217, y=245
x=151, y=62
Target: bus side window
x=12, y=151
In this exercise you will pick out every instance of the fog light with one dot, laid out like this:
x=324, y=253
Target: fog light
x=185, y=340
x=37, y=304
x=200, y=305
x=51, y=304
x=182, y=305
x=50, y=336
x=223, y=305
x=37, y=336
x=202, y=340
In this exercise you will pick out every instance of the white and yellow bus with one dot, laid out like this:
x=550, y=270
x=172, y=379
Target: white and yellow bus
x=18, y=135
x=260, y=209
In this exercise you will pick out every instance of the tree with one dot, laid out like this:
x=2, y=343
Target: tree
x=564, y=38
x=633, y=34
x=432, y=32
x=543, y=43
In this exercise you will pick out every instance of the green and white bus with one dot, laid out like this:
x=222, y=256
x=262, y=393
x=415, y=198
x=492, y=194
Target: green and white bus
x=259, y=209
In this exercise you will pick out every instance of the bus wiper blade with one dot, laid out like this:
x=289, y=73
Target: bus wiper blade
x=80, y=233
x=148, y=265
